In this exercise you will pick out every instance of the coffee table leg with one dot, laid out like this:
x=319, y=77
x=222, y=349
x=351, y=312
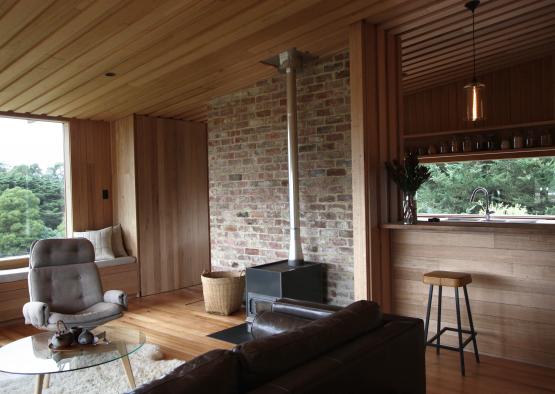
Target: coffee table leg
x=38, y=383
x=46, y=382
x=126, y=365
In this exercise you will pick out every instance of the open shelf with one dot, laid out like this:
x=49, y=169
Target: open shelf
x=481, y=130
x=488, y=155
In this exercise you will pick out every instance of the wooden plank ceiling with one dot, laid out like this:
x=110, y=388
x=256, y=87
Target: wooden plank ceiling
x=171, y=56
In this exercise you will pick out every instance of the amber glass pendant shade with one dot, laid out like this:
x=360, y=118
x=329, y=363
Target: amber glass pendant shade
x=475, y=101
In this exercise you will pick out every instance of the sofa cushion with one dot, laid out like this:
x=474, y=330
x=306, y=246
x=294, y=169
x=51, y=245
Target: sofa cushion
x=265, y=359
x=101, y=240
x=215, y=372
x=389, y=359
x=117, y=242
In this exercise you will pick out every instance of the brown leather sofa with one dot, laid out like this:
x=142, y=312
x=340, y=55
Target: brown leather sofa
x=311, y=348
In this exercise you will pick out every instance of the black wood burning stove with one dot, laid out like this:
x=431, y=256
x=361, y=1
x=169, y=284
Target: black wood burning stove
x=268, y=282
x=292, y=278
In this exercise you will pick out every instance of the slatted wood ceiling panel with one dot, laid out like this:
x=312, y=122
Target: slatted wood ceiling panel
x=171, y=56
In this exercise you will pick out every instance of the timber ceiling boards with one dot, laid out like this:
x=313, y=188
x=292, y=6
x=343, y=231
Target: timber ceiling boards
x=437, y=45
x=170, y=57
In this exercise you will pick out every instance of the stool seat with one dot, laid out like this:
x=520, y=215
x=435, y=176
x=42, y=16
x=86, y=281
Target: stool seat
x=447, y=278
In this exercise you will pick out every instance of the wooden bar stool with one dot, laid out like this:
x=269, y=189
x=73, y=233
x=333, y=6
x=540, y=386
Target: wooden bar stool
x=456, y=280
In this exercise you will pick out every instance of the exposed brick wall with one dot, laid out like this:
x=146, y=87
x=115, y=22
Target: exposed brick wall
x=248, y=174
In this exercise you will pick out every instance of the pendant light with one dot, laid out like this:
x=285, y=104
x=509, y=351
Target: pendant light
x=474, y=90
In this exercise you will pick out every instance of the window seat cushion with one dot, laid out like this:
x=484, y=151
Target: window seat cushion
x=115, y=261
x=15, y=274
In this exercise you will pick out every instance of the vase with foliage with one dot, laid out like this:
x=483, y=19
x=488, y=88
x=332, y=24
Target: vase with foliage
x=409, y=176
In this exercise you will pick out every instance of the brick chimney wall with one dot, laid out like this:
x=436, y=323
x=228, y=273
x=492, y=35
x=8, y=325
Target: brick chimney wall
x=247, y=140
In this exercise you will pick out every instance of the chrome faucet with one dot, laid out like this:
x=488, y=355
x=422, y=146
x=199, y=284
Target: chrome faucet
x=487, y=196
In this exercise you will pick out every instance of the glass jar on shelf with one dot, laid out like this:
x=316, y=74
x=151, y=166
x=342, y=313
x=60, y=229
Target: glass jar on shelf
x=518, y=141
x=530, y=139
x=467, y=144
x=444, y=147
x=455, y=145
x=491, y=142
x=545, y=138
x=479, y=143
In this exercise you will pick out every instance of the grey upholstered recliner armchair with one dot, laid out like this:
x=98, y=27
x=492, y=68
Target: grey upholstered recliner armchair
x=64, y=284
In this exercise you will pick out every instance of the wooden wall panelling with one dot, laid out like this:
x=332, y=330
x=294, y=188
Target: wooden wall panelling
x=194, y=210
x=123, y=181
x=172, y=202
x=90, y=156
x=13, y=295
x=512, y=294
x=122, y=277
x=360, y=158
x=375, y=96
x=521, y=93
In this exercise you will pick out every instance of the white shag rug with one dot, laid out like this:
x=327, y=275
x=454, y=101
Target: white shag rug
x=110, y=378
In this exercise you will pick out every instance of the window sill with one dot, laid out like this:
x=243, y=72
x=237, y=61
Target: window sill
x=506, y=227
x=7, y=263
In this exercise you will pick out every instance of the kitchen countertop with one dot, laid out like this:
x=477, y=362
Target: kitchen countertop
x=474, y=226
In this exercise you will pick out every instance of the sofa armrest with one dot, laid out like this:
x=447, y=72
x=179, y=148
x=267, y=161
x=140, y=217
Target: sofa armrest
x=117, y=297
x=304, y=309
x=288, y=314
x=272, y=323
x=36, y=313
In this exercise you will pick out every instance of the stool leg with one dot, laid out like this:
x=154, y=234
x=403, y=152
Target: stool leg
x=459, y=329
x=471, y=324
x=428, y=314
x=438, y=318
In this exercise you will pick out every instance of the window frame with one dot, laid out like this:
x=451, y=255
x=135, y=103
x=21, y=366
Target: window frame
x=426, y=216
x=21, y=261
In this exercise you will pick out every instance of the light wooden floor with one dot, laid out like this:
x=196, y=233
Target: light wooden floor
x=177, y=322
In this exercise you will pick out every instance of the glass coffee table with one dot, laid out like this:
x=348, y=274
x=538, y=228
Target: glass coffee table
x=33, y=356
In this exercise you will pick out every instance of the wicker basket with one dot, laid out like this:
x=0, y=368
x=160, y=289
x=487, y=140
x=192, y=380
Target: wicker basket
x=223, y=291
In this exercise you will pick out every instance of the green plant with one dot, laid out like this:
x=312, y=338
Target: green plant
x=409, y=175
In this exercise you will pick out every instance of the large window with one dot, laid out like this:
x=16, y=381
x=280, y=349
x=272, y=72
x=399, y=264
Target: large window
x=31, y=183
x=519, y=187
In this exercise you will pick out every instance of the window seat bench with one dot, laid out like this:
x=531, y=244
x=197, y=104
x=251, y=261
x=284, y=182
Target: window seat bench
x=120, y=273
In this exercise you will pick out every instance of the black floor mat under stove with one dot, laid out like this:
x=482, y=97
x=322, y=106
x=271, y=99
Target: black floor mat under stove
x=235, y=335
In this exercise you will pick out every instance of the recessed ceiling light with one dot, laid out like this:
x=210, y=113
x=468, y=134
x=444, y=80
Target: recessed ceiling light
x=110, y=74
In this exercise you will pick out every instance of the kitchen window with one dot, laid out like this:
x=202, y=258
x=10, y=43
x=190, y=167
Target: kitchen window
x=517, y=188
x=32, y=203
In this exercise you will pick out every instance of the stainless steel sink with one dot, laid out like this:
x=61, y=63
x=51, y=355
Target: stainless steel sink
x=493, y=220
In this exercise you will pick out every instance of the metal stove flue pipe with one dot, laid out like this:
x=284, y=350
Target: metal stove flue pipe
x=290, y=61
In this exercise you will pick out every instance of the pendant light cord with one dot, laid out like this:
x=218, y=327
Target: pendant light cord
x=474, y=47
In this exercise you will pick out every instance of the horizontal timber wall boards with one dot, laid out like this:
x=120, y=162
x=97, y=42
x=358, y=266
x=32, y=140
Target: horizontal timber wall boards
x=518, y=94
x=512, y=294
x=123, y=181
x=13, y=295
x=376, y=122
x=172, y=202
x=91, y=173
